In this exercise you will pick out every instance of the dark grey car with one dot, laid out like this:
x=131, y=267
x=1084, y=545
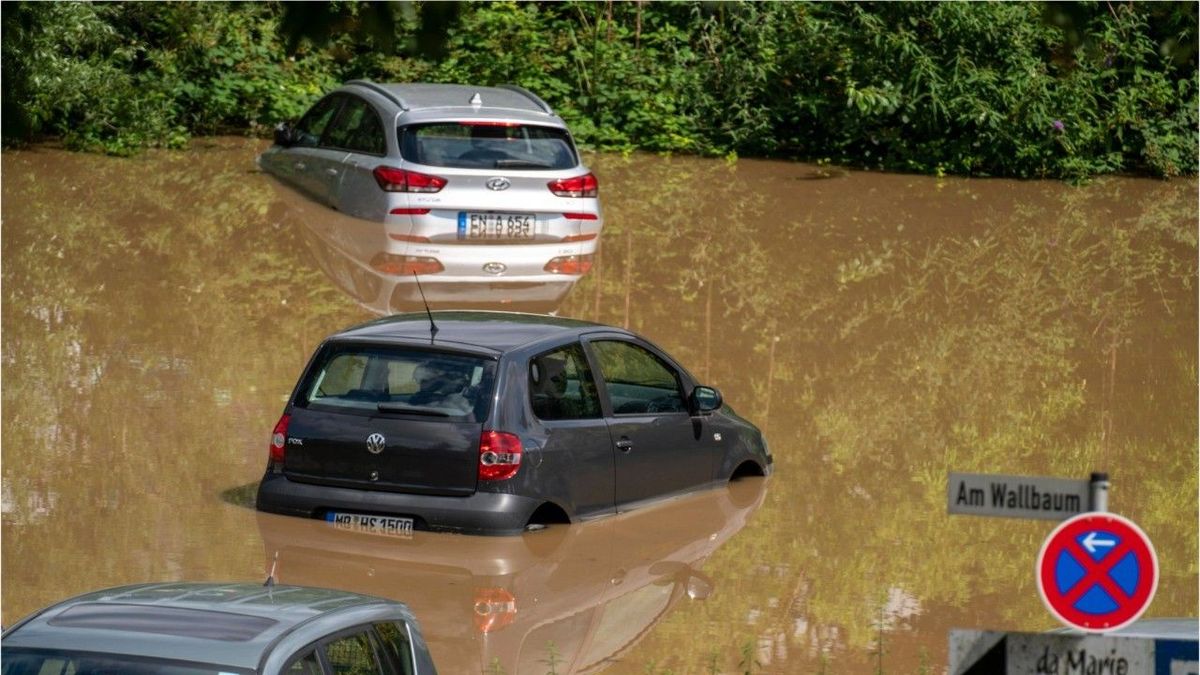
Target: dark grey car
x=217, y=629
x=498, y=422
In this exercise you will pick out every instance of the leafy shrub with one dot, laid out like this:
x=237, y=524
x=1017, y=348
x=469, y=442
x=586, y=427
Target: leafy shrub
x=1015, y=89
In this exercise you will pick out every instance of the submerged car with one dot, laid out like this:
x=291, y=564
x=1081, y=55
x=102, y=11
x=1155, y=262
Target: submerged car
x=474, y=185
x=217, y=629
x=495, y=422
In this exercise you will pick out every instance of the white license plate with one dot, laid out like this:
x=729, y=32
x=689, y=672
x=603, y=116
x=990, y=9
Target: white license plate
x=496, y=225
x=360, y=522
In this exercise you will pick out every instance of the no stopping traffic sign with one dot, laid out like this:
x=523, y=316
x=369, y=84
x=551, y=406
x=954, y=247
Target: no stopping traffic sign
x=1097, y=572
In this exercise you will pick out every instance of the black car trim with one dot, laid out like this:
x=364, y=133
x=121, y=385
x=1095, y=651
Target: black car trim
x=377, y=487
x=437, y=345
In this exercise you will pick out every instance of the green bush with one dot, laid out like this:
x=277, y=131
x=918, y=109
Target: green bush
x=1014, y=89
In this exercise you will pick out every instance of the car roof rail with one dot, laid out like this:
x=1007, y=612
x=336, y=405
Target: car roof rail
x=529, y=95
x=378, y=89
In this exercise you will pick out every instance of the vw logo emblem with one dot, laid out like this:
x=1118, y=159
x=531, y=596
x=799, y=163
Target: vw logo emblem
x=497, y=184
x=494, y=267
x=375, y=443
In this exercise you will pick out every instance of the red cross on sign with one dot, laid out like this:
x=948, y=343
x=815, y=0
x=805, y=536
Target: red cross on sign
x=1097, y=572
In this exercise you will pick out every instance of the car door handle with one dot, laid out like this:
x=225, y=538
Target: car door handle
x=624, y=445
x=301, y=166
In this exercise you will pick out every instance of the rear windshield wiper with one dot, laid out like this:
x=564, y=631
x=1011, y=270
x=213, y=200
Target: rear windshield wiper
x=517, y=163
x=409, y=410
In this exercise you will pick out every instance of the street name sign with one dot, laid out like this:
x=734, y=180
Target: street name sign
x=1036, y=497
x=977, y=652
x=1097, y=572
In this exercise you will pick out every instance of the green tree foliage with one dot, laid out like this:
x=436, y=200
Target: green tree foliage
x=120, y=77
x=1015, y=89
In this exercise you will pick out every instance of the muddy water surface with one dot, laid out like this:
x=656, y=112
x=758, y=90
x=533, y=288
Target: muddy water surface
x=883, y=329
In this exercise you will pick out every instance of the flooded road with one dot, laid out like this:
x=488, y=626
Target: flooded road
x=883, y=330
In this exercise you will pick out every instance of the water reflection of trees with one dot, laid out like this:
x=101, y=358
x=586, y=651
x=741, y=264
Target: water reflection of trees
x=912, y=327
x=152, y=318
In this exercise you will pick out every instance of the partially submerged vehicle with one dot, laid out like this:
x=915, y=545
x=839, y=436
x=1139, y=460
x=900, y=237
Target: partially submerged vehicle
x=493, y=422
x=473, y=185
x=217, y=629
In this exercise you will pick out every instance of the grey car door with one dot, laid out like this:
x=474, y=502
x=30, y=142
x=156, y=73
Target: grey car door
x=659, y=446
x=292, y=163
x=359, y=132
x=311, y=163
x=566, y=403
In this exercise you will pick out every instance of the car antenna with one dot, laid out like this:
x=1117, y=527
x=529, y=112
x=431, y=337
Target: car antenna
x=433, y=329
x=270, y=582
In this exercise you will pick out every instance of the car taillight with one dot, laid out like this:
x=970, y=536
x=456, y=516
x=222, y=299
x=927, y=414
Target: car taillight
x=579, y=186
x=279, y=438
x=405, y=265
x=580, y=216
x=398, y=180
x=495, y=608
x=570, y=264
x=408, y=212
x=499, y=455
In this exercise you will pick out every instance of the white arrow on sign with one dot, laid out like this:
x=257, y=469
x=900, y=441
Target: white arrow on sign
x=1090, y=542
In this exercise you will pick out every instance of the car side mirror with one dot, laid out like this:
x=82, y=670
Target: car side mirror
x=285, y=135
x=705, y=400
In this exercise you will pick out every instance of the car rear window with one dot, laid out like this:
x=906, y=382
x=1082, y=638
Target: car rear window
x=374, y=380
x=466, y=145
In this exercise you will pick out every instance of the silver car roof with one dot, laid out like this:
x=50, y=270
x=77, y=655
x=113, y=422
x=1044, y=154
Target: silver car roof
x=258, y=617
x=421, y=102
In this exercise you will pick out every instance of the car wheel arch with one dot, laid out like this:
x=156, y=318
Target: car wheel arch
x=547, y=513
x=747, y=467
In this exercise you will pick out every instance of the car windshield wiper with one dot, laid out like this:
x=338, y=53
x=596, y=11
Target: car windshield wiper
x=409, y=410
x=516, y=163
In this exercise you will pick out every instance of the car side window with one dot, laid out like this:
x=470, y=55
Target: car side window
x=637, y=381
x=561, y=386
x=313, y=124
x=352, y=655
x=304, y=664
x=357, y=128
x=395, y=644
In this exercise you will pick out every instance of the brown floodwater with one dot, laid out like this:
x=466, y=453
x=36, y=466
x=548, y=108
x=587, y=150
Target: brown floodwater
x=882, y=329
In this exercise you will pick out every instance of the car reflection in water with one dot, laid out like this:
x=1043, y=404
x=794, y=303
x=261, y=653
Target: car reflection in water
x=586, y=593
x=374, y=264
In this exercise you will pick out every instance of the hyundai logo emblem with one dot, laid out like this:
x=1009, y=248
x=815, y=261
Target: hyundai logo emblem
x=497, y=184
x=375, y=443
x=494, y=267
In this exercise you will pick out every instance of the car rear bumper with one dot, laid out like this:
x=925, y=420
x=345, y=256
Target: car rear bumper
x=481, y=513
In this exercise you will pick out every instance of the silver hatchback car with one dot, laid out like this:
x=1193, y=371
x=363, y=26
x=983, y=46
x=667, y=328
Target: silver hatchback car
x=478, y=187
